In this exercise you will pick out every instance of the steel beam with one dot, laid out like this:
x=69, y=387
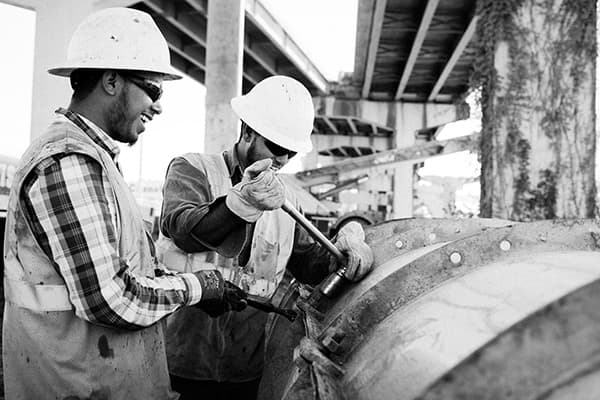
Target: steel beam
x=330, y=124
x=352, y=126
x=344, y=185
x=258, y=53
x=373, y=45
x=411, y=154
x=416, y=47
x=460, y=48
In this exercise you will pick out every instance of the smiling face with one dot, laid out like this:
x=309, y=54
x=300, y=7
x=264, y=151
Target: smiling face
x=133, y=107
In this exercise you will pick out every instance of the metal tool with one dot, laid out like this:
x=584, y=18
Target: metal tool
x=331, y=286
x=266, y=306
x=289, y=208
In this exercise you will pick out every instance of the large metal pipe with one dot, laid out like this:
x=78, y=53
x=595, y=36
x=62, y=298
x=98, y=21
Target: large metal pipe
x=473, y=309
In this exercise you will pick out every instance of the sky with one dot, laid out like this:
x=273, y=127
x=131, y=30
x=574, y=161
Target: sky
x=324, y=29
x=16, y=65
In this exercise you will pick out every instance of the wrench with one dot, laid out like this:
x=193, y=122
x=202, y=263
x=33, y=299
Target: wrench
x=267, y=306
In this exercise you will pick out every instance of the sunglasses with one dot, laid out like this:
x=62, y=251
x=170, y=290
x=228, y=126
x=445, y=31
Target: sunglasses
x=153, y=90
x=277, y=150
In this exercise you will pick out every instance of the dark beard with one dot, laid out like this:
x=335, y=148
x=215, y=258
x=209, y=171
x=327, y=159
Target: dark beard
x=117, y=122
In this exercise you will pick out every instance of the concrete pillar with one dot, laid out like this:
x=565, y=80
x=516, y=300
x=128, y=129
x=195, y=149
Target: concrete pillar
x=406, y=125
x=539, y=140
x=55, y=22
x=410, y=117
x=224, y=61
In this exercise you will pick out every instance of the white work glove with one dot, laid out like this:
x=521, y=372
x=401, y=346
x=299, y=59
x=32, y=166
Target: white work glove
x=259, y=190
x=350, y=240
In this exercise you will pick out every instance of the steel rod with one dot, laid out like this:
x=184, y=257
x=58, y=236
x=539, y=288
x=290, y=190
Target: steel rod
x=313, y=231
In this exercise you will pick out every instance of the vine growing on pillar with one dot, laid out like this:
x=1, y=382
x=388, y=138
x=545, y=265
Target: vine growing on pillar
x=505, y=105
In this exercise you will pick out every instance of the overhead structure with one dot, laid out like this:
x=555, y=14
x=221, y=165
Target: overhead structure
x=416, y=50
x=349, y=125
x=268, y=49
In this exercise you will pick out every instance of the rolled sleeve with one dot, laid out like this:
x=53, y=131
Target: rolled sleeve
x=194, y=288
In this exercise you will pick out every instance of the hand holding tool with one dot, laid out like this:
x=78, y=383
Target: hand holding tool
x=259, y=190
x=218, y=295
x=336, y=280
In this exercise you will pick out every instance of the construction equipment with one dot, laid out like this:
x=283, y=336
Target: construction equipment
x=329, y=216
x=414, y=154
x=266, y=306
x=453, y=309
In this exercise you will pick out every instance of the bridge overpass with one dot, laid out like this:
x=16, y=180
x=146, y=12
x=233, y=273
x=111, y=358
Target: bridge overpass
x=411, y=65
x=411, y=72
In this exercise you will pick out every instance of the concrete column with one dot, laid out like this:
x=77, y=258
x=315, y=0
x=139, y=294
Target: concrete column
x=406, y=125
x=539, y=140
x=411, y=117
x=55, y=22
x=224, y=61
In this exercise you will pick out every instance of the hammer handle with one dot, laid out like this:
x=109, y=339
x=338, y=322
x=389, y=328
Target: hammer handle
x=316, y=234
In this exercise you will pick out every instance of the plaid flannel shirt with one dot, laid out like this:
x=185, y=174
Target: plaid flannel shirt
x=72, y=210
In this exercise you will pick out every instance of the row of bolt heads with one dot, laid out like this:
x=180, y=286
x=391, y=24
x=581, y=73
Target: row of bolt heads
x=456, y=257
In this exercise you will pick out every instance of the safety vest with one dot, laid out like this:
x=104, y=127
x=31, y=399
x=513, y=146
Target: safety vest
x=230, y=347
x=49, y=352
x=271, y=246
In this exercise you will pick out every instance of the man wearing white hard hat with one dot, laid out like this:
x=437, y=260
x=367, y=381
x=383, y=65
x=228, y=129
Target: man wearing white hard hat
x=85, y=295
x=205, y=225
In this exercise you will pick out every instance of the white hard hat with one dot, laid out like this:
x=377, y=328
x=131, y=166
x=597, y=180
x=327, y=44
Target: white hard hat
x=279, y=108
x=118, y=38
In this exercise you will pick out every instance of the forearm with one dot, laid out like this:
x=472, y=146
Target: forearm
x=191, y=217
x=74, y=208
x=218, y=225
x=128, y=300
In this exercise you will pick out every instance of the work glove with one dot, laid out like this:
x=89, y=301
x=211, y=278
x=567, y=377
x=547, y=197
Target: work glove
x=350, y=240
x=218, y=295
x=259, y=190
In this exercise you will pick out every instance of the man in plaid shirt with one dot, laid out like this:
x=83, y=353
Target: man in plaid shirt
x=85, y=296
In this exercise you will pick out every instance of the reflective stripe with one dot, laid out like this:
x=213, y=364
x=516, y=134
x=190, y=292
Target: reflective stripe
x=37, y=298
x=176, y=260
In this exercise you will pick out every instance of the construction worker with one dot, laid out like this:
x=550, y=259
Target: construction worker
x=251, y=244
x=84, y=292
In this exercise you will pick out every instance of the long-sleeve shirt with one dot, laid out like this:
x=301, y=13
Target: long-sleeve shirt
x=189, y=217
x=72, y=211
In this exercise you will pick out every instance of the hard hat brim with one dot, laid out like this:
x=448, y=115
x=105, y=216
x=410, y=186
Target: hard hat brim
x=169, y=73
x=243, y=109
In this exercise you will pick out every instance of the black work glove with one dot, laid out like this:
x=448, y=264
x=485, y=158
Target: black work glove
x=218, y=295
